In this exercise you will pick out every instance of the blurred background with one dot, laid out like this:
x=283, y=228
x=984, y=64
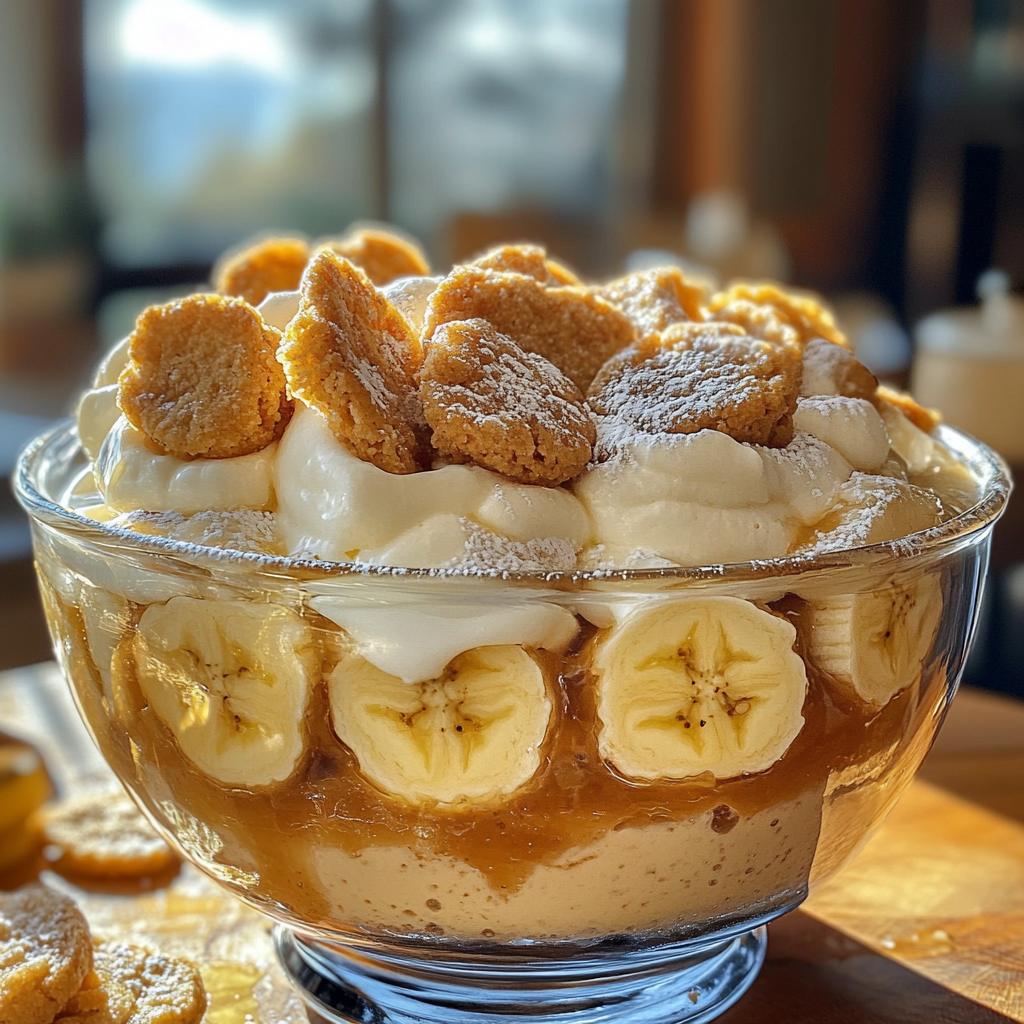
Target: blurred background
x=871, y=150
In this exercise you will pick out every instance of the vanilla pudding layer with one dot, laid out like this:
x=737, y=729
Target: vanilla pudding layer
x=659, y=877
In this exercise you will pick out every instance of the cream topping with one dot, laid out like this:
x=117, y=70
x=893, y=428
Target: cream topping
x=131, y=476
x=704, y=498
x=332, y=505
x=415, y=640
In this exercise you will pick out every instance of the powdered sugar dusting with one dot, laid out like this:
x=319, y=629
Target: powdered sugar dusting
x=246, y=530
x=489, y=551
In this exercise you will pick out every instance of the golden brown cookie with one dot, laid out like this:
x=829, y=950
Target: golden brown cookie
x=382, y=255
x=511, y=411
x=922, y=418
x=655, y=299
x=349, y=354
x=134, y=985
x=524, y=258
x=830, y=369
x=698, y=376
x=270, y=265
x=760, y=308
x=203, y=380
x=568, y=326
x=102, y=835
x=45, y=954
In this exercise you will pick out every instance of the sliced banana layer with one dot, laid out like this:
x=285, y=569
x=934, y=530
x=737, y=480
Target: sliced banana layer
x=874, y=645
x=699, y=685
x=106, y=617
x=231, y=680
x=472, y=734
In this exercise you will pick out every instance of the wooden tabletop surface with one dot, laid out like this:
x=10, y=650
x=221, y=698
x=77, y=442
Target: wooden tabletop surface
x=926, y=925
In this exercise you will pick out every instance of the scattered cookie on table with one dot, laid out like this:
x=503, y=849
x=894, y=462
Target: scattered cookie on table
x=511, y=411
x=270, y=265
x=102, y=835
x=524, y=258
x=135, y=985
x=382, y=255
x=698, y=376
x=45, y=954
x=349, y=354
x=568, y=326
x=203, y=380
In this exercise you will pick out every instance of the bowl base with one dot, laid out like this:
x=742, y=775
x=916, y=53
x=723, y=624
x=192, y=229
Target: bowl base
x=684, y=982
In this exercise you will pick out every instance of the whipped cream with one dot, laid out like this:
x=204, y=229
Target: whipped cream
x=409, y=296
x=97, y=409
x=132, y=477
x=278, y=308
x=704, y=498
x=332, y=505
x=850, y=425
x=415, y=640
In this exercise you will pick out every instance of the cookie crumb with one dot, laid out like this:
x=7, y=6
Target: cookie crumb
x=568, y=326
x=203, y=380
x=507, y=410
x=349, y=354
x=655, y=299
x=382, y=255
x=524, y=258
x=698, y=376
x=269, y=265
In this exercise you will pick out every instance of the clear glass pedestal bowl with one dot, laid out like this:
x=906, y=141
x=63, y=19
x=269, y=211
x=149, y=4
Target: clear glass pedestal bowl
x=575, y=890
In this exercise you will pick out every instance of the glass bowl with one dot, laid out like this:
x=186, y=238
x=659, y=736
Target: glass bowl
x=464, y=796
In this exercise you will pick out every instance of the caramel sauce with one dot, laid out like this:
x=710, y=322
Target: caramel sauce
x=573, y=799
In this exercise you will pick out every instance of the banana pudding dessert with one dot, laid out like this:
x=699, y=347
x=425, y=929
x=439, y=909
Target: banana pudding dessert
x=500, y=606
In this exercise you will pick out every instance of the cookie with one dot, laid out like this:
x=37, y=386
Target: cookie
x=698, y=376
x=349, y=354
x=203, y=380
x=771, y=314
x=497, y=406
x=270, y=265
x=134, y=985
x=45, y=954
x=382, y=255
x=655, y=299
x=568, y=326
x=102, y=835
x=830, y=369
x=530, y=260
x=922, y=418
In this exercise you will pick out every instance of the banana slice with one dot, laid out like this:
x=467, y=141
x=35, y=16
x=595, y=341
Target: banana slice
x=874, y=645
x=231, y=680
x=106, y=617
x=472, y=734
x=706, y=684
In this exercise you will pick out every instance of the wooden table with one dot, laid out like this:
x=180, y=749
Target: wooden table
x=926, y=925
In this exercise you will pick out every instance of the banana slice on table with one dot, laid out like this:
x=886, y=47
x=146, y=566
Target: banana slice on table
x=874, y=645
x=472, y=734
x=707, y=684
x=231, y=680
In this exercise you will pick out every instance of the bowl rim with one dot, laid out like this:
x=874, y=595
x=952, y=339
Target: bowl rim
x=995, y=485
